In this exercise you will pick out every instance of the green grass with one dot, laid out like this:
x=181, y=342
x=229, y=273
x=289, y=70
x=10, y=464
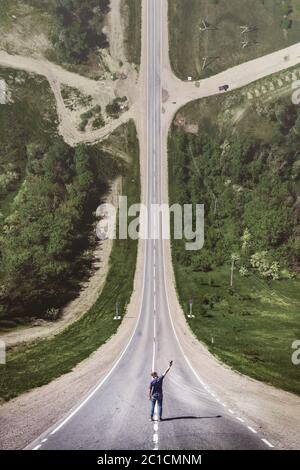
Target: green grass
x=37, y=364
x=188, y=45
x=253, y=326
x=132, y=12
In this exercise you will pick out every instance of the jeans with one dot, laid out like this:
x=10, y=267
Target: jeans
x=159, y=401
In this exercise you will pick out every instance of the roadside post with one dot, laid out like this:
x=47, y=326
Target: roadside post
x=190, y=315
x=117, y=314
x=2, y=353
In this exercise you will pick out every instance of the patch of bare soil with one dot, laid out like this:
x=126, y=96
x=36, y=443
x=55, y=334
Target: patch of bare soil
x=25, y=31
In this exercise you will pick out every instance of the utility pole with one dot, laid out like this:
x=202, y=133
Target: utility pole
x=248, y=29
x=234, y=257
x=208, y=60
x=232, y=270
x=207, y=26
x=215, y=203
x=245, y=29
x=245, y=43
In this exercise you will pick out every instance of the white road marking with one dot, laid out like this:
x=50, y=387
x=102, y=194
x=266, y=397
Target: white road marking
x=154, y=324
x=155, y=428
x=240, y=419
x=155, y=412
x=252, y=430
x=154, y=226
x=37, y=447
x=268, y=443
x=231, y=411
x=44, y=440
x=153, y=354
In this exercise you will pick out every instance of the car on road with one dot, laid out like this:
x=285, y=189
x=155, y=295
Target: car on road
x=223, y=88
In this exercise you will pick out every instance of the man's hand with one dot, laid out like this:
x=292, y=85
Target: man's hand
x=170, y=365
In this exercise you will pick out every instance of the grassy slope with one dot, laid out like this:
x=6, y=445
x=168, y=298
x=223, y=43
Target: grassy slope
x=254, y=325
x=38, y=364
x=188, y=45
x=253, y=329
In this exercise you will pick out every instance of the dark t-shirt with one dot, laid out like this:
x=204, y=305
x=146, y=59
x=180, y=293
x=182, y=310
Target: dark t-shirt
x=156, y=387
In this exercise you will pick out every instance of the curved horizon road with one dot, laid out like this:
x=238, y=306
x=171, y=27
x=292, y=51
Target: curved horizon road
x=116, y=416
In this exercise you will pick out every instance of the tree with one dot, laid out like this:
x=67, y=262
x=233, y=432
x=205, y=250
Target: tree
x=246, y=240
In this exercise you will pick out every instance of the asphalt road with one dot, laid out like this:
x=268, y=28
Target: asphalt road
x=116, y=416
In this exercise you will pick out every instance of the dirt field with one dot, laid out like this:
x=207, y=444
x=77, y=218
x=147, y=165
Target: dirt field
x=24, y=29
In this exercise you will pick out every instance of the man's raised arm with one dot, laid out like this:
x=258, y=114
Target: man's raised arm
x=170, y=365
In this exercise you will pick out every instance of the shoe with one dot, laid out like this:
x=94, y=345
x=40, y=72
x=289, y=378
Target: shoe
x=161, y=419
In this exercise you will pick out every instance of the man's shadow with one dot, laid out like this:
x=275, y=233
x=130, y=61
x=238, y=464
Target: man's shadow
x=175, y=418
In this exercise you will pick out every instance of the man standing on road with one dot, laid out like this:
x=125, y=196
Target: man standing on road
x=156, y=392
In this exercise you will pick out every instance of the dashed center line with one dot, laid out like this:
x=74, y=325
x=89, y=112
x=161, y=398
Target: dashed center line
x=268, y=443
x=252, y=430
x=240, y=419
x=155, y=428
